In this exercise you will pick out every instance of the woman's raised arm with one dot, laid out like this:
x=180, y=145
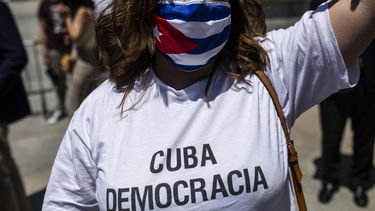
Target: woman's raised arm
x=353, y=22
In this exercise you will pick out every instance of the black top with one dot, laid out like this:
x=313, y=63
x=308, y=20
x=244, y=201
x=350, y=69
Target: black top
x=54, y=25
x=13, y=100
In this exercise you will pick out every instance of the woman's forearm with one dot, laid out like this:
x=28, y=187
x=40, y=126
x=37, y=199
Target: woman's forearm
x=353, y=22
x=73, y=30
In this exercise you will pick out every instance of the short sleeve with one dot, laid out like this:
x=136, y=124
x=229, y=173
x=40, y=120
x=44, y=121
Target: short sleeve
x=72, y=185
x=306, y=63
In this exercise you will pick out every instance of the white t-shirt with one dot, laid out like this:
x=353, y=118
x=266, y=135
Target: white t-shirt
x=174, y=152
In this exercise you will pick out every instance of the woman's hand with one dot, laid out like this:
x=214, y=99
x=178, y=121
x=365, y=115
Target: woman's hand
x=77, y=24
x=63, y=10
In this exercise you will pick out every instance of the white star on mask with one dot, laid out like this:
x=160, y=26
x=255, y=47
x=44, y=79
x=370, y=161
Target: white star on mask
x=157, y=33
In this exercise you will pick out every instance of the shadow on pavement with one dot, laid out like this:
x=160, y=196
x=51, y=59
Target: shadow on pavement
x=36, y=200
x=344, y=171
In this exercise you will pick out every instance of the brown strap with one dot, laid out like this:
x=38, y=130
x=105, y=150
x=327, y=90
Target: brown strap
x=295, y=170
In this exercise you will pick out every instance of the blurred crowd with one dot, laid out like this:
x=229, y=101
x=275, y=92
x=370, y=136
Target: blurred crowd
x=67, y=32
x=67, y=35
x=69, y=52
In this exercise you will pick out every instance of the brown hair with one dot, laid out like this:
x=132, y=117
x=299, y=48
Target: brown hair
x=126, y=42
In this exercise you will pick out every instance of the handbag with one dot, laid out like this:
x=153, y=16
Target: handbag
x=67, y=63
x=295, y=172
x=68, y=60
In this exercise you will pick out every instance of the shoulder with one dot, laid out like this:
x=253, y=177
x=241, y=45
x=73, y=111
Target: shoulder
x=85, y=12
x=268, y=44
x=103, y=99
x=4, y=9
x=103, y=92
x=99, y=108
x=85, y=15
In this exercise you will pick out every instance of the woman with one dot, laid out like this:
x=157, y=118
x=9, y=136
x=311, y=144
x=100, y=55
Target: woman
x=183, y=123
x=79, y=19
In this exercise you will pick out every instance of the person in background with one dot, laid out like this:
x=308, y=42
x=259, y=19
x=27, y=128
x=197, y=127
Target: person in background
x=13, y=106
x=79, y=17
x=357, y=103
x=55, y=43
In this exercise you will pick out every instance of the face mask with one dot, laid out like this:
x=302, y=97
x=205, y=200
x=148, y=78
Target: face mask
x=190, y=34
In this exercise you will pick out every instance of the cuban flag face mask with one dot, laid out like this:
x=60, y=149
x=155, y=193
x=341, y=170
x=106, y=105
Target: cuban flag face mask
x=191, y=33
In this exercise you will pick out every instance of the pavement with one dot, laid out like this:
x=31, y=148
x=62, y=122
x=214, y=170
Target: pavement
x=34, y=142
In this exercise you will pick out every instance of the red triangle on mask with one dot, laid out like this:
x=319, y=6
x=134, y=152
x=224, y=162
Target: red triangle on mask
x=170, y=40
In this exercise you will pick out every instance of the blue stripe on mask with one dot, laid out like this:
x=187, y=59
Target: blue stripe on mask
x=192, y=12
x=186, y=68
x=211, y=42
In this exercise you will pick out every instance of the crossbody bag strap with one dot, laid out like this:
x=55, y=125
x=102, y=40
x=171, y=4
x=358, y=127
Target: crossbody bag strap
x=295, y=170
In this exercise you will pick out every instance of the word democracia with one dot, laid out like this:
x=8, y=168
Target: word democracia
x=190, y=190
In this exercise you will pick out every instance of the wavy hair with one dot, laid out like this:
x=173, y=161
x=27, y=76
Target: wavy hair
x=126, y=43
